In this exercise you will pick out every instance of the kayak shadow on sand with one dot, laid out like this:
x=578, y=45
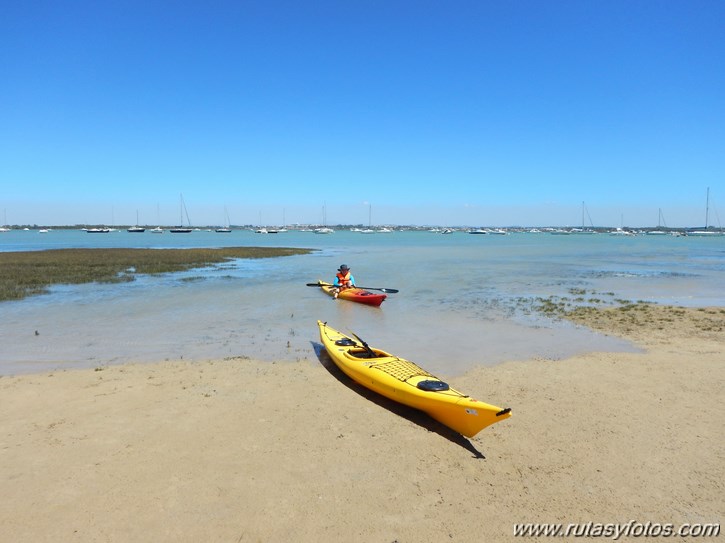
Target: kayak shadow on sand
x=413, y=415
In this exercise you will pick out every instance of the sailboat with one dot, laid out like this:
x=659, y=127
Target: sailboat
x=4, y=228
x=158, y=229
x=226, y=229
x=369, y=229
x=620, y=231
x=136, y=229
x=324, y=229
x=278, y=230
x=284, y=221
x=182, y=229
x=658, y=231
x=261, y=229
x=706, y=231
x=584, y=229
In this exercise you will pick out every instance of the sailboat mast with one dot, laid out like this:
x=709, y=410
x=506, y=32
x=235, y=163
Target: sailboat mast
x=707, y=207
x=188, y=220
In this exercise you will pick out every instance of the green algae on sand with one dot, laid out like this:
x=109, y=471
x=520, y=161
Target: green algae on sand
x=29, y=273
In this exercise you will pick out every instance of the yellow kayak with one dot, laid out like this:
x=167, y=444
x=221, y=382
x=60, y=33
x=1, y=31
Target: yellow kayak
x=406, y=383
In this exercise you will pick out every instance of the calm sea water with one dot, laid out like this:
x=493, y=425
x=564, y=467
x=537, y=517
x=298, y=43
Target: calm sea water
x=464, y=300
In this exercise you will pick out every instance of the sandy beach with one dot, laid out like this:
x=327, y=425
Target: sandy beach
x=238, y=450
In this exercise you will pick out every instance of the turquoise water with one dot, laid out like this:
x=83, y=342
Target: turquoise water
x=464, y=300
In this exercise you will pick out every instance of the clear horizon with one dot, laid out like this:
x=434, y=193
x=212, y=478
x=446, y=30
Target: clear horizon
x=384, y=113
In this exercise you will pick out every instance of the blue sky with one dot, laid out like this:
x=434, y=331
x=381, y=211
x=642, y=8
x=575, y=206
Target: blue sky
x=452, y=113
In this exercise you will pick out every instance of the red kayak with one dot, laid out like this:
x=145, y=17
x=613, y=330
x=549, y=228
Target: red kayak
x=354, y=294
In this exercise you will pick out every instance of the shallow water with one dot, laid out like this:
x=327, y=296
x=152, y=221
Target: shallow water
x=464, y=300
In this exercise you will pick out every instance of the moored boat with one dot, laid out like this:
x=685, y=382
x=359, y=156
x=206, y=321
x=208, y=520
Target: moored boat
x=181, y=229
x=136, y=229
x=404, y=382
x=359, y=295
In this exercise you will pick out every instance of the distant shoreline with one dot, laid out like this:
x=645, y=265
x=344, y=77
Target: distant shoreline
x=483, y=229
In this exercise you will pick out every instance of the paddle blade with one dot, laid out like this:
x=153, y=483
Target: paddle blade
x=386, y=290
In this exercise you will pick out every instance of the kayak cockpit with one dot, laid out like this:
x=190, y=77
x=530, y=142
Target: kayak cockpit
x=365, y=354
x=356, y=351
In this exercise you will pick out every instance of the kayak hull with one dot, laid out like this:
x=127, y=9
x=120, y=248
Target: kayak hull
x=358, y=295
x=404, y=382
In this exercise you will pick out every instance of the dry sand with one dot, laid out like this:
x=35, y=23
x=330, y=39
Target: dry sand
x=238, y=450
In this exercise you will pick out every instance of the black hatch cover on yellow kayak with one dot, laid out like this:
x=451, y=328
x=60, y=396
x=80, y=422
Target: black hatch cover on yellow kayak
x=433, y=386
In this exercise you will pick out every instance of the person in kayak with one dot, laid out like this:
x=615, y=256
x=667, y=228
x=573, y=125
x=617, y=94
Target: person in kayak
x=343, y=279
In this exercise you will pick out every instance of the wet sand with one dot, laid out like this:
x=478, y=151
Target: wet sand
x=239, y=450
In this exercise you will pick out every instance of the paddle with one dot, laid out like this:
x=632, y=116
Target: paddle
x=365, y=345
x=386, y=290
